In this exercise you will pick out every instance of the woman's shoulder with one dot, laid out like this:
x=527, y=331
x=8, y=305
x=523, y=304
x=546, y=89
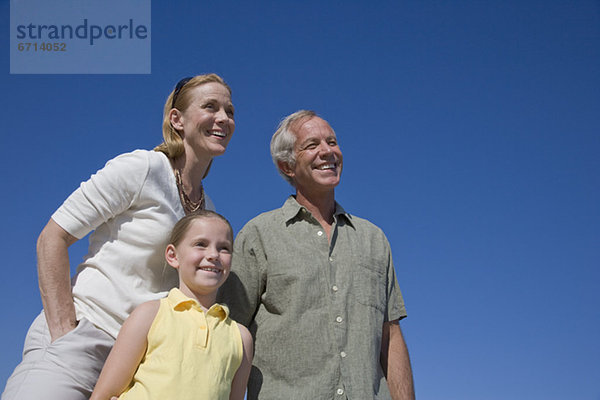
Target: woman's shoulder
x=143, y=162
x=133, y=160
x=142, y=154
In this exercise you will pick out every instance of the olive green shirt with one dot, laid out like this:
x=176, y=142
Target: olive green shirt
x=315, y=308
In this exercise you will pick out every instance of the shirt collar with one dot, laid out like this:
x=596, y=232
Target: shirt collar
x=291, y=209
x=180, y=302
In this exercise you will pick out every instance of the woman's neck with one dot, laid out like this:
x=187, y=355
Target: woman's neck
x=192, y=170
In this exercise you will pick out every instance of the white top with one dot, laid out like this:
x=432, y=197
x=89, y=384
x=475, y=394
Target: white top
x=131, y=205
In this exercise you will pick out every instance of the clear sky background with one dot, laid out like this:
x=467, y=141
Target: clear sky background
x=471, y=136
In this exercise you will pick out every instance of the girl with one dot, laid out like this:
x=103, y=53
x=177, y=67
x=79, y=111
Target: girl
x=184, y=346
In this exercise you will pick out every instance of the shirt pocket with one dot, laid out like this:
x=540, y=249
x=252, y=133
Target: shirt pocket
x=369, y=283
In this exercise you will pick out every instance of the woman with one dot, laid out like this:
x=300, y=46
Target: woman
x=131, y=205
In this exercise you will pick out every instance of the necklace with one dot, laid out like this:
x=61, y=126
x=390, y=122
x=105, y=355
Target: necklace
x=188, y=205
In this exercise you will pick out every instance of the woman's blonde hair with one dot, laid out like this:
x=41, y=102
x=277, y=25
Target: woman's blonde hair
x=172, y=145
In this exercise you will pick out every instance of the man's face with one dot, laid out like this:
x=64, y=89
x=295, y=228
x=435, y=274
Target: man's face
x=318, y=157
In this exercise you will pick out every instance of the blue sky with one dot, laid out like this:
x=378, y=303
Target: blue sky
x=470, y=132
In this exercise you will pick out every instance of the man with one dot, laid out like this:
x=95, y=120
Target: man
x=316, y=285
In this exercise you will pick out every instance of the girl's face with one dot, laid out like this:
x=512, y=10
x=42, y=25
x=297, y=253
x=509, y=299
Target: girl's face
x=203, y=257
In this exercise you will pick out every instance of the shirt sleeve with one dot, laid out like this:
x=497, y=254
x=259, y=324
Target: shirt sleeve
x=105, y=195
x=243, y=288
x=395, y=302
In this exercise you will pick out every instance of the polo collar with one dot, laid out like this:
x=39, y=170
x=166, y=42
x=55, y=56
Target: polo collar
x=180, y=302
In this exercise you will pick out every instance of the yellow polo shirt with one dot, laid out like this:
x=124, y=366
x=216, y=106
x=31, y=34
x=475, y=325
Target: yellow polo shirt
x=191, y=354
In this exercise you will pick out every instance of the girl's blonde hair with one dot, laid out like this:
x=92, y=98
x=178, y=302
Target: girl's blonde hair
x=183, y=225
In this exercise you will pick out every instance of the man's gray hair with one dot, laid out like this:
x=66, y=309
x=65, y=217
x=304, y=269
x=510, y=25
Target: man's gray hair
x=284, y=138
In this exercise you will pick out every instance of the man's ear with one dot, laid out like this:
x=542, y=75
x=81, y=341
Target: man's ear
x=286, y=168
x=171, y=256
x=176, y=119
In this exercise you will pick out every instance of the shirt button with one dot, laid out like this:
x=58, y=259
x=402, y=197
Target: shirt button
x=343, y=354
x=320, y=233
x=334, y=288
x=339, y=319
x=340, y=391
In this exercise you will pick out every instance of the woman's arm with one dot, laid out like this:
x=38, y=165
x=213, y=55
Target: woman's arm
x=126, y=354
x=240, y=379
x=54, y=276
